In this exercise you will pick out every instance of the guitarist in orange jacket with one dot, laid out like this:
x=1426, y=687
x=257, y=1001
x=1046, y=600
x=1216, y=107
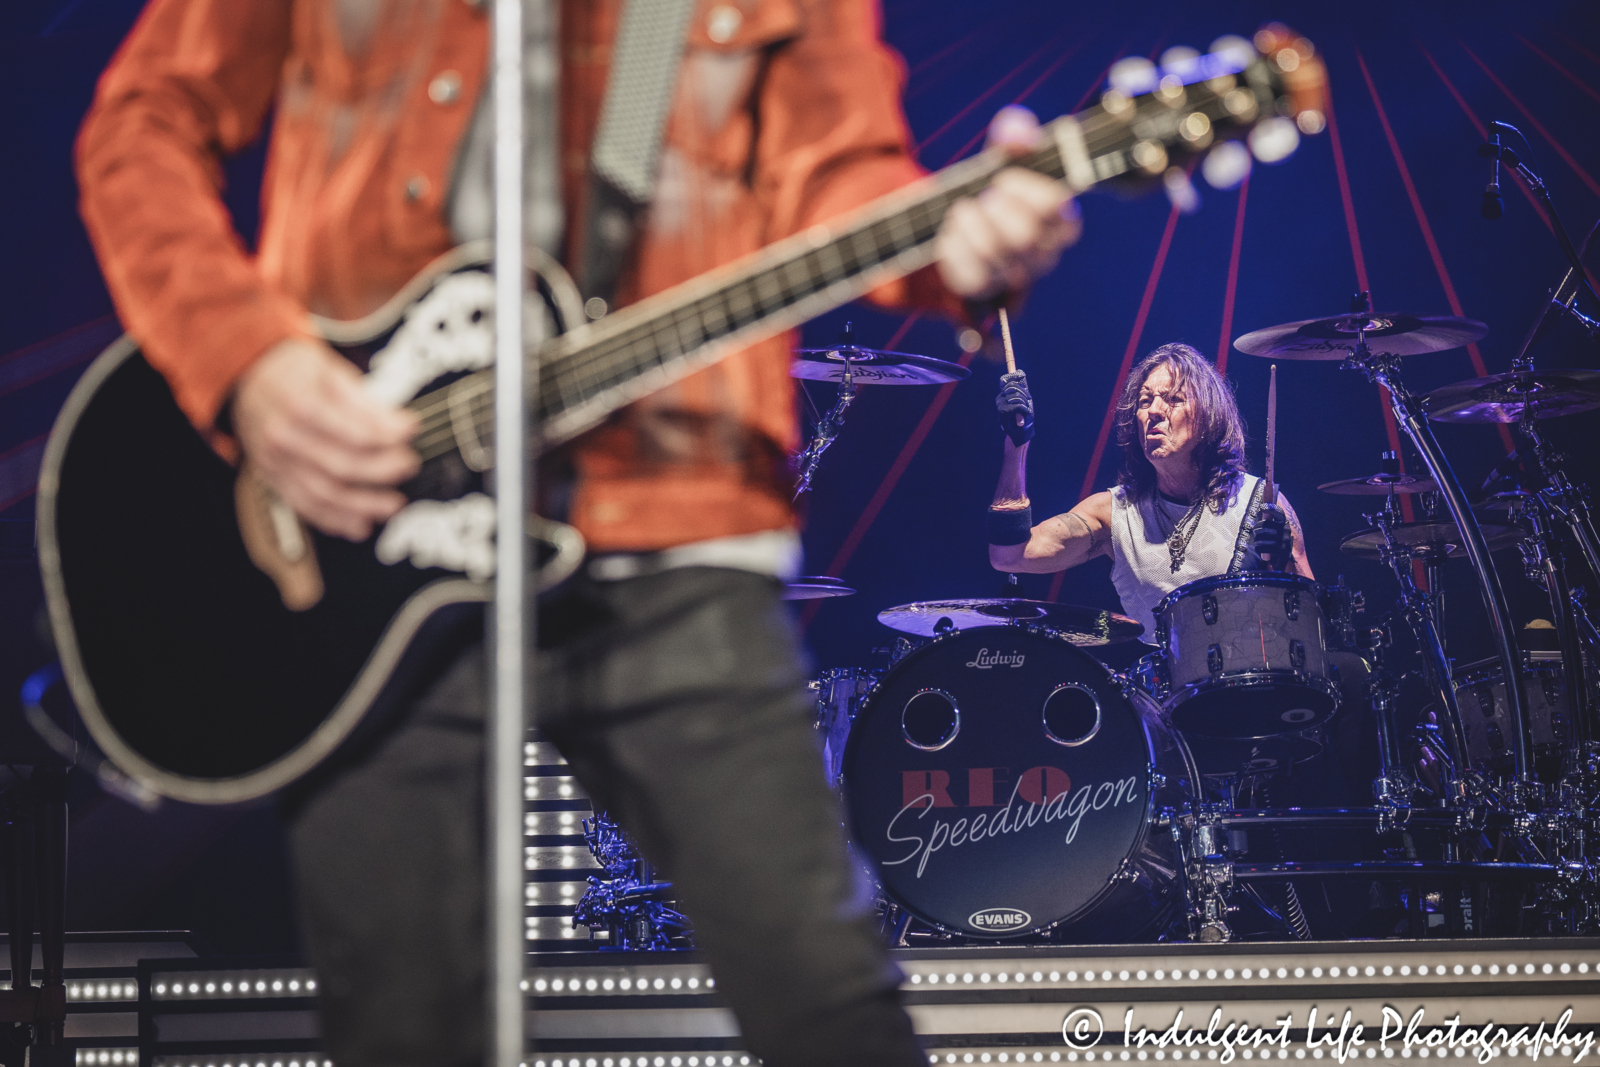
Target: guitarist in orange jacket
x=674, y=691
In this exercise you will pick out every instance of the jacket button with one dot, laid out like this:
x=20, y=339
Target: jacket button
x=416, y=187
x=445, y=88
x=722, y=23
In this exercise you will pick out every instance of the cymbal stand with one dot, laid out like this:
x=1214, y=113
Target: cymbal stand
x=1383, y=369
x=1394, y=787
x=1542, y=559
x=827, y=430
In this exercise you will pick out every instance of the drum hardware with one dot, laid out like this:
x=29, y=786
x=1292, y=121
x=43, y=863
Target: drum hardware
x=1350, y=338
x=1085, y=627
x=851, y=365
x=814, y=587
x=1205, y=870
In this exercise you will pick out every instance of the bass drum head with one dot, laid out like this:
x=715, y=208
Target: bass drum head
x=999, y=782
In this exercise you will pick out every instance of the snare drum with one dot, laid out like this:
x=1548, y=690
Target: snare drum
x=1002, y=783
x=1245, y=656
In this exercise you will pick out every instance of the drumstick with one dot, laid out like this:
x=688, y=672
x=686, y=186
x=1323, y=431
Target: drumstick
x=1011, y=357
x=1272, y=435
x=1005, y=337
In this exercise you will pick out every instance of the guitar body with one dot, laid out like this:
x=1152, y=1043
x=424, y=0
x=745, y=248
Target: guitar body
x=186, y=664
x=218, y=650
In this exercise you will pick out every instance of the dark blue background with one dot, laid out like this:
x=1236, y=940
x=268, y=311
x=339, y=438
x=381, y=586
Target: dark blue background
x=208, y=869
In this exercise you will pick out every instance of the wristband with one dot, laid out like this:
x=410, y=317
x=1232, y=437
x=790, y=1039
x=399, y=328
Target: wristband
x=1010, y=526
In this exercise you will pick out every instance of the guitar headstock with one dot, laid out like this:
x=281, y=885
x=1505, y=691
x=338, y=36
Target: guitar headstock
x=1157, y=119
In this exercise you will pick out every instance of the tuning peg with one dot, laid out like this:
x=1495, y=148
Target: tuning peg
x=1133, y=76
x=1239, y=51
x=1181, y=191
x=1226, y=165
x=1274, y=140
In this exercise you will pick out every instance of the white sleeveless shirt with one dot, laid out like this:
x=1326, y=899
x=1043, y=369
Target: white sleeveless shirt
x=1141, y=564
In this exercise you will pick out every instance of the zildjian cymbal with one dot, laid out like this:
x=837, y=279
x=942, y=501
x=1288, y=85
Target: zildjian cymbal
x=1335, y=337
x=1380, y=485
x=1428, y=539
x=1503, y=397
x=872, y=366
x=1083, y=626
x=815, y=587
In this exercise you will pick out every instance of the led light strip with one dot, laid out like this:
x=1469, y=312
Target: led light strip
x=101, y=990
x=968, y=976
x=650, y=1059
x=625, y=982
x=1122, y=1055
x=243, y=1059
x=236, y=985
x=93, y=1057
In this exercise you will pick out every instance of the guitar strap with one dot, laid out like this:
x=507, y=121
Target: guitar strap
x=627, y=145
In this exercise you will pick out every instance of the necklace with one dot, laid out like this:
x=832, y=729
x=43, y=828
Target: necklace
x=1182, y=531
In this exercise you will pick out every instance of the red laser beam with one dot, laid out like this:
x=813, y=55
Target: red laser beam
x=987, y=93
x=1559, y=69
x=1566, y=157
x=1391, y=431
x=1584, y=52
x=1454, y=301
x=1223, y=343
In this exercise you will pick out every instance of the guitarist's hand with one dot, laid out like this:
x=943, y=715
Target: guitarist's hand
x=333, y=453
x=1013, y=232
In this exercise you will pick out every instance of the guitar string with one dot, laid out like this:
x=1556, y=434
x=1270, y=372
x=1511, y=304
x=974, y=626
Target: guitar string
x=621, y=353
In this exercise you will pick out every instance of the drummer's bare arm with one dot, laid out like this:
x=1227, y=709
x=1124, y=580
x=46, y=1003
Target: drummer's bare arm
x=1061, y=541
x=1298, y=562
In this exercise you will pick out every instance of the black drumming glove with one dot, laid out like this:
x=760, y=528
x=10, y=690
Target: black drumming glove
x=1272, y=539
x=1015, y=407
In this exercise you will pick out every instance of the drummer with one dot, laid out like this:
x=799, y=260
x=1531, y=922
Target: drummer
x=1183, y=508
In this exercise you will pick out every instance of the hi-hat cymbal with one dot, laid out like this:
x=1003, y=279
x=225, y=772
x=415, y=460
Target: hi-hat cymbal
x=1335, y=337
x=1502, y=397
x=871, y=366
x=1437, y=539
x=1380, y=485
x=1505, y=500
x=815, y=587
x=1083, y=626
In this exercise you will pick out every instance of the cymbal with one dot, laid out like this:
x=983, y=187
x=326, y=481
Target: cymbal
x=1429, y=538
x=1380, y=485
x=872, y=366
x=1083, y=626
x=1335, y=337
x=1502, y=397
x=815, y=587
x=1506, y=500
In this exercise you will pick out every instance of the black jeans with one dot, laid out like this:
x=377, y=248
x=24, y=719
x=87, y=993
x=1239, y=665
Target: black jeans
x=678, y=700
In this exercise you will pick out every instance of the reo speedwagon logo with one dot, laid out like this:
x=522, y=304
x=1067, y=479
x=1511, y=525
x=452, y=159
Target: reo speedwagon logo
x=985, y=659
x=1040, y=795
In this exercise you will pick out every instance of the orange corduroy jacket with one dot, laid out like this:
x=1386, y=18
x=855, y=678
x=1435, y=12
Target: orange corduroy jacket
x=786, y=113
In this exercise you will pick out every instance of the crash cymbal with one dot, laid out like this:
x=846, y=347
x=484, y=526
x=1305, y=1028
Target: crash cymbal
x=1428, y=539
x=871, y=366
x=1335, y=337
x=1380, y=485
x=1082, y=626
x=815, y=587
x=1502, y=397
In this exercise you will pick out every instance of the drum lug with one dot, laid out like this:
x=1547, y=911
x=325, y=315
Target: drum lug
x=1214, y=659
x=1297, y=652
x=1208, y=609
x=1291, y=604
x=1158, y=781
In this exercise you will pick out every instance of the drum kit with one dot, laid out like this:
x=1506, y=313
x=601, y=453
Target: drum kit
x=1002, y=781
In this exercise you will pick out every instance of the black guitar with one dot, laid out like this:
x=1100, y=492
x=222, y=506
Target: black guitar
x=218, y=650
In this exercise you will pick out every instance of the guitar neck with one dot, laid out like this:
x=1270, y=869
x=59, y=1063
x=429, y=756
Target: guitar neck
x=590, y=372
x=597, y=368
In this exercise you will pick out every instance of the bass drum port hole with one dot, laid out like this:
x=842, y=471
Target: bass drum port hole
x=930, y=720
x=1071, y=714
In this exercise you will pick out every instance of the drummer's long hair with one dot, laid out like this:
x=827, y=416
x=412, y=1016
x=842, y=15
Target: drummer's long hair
x=1217, y=425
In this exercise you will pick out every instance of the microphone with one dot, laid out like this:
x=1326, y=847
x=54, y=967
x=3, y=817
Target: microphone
x=1493, y=205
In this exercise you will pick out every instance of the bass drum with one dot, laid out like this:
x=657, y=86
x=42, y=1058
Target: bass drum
x=1003, y=783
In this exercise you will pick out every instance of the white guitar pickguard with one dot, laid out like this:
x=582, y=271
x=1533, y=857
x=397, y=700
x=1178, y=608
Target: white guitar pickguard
x=451, y=329
x=457, y=535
